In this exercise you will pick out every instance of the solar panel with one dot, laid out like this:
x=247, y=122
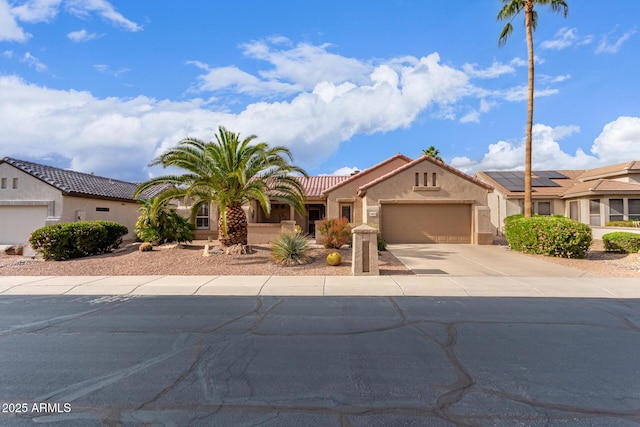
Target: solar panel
x=550, y=174
x=514, y=180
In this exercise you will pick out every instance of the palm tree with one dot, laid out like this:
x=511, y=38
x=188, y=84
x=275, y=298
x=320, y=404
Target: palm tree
x=230, y=172
x=510, y=9
x=432, y=152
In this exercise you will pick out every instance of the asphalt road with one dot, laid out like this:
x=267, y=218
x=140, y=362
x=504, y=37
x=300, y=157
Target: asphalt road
x=297, y=361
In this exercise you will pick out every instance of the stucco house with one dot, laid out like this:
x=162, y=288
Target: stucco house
x=592, y=196
x=34, y=195
x=410, y=201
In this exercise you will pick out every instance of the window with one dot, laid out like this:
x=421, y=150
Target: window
x=102, y=209
x=3, y=183
x=544, y=208
x=202, y=218
x=14, y=185
x=594, y=212
x=434, y=181
x=616, y=210
x=573, y=211
x=634, y=209
x=417, y=180
x=345, y=212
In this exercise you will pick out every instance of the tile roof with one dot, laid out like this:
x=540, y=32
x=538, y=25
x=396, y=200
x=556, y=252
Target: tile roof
x=432, y=160
x=81, y=184
x=314, y=186
x=602, y=186
x=611, y=170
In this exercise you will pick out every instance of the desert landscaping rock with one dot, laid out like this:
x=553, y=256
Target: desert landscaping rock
x=188, y=259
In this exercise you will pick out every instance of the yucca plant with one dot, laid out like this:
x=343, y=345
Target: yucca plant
x=290, y=249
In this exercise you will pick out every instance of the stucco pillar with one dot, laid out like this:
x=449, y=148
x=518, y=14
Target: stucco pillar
x=482, y=226
x=364, y=255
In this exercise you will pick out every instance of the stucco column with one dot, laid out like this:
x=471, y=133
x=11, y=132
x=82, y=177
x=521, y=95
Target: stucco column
x=364, y=255
x=482, y=226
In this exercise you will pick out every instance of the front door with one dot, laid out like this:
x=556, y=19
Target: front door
x=314, y=215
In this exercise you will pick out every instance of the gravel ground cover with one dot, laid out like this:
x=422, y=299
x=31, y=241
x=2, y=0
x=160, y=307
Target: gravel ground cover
x=188, y=260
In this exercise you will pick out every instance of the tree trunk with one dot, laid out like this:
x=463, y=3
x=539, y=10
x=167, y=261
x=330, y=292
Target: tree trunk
x=528, y=139
x=236, y=231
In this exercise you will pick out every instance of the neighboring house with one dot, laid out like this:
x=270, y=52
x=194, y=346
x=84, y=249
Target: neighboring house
x=34, y=195
x=593, y=196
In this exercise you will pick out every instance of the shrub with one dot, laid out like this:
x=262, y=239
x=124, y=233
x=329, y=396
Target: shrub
x=621, y=241
x=290, y=249
x=623, y=224
x=77, y=239
x=164, y=226
x=382, y=245
x=554, y=236
x=145, y=247
x=334, y=233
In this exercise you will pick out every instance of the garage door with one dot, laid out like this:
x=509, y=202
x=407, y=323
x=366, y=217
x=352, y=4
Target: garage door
x=419, y=223
x=17, y=222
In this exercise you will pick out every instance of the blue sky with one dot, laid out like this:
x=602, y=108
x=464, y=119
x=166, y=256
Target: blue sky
x=105, y=86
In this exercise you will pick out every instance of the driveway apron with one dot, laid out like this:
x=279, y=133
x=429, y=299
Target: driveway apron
x=475, y=260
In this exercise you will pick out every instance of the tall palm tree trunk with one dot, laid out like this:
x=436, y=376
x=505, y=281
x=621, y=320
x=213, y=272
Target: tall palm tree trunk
x=528, y=139
x=236, y=231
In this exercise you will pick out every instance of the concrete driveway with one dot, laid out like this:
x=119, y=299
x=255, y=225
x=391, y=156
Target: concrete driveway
x=475, y=260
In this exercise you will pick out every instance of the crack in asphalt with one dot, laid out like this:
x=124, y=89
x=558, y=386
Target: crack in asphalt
x=40, y=325
x=205, y=370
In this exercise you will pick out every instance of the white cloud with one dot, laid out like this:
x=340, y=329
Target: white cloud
x=105, y=69
x=113, y=137
x=34, y=62
x=7, y=54
x=605, y=46
x=234, y=79
x=618, y=142
x=37, y=10
x=130, y=132
x=520, y=93
x=565, y=38
x=9, y=28
x=81, y=36
x=495, y=70
x=82, y=9
x=307, y=65
x=543, y=78
x=345, y=171
x=33, y=11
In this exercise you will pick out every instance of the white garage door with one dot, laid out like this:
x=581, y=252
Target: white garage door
x=420, y=223
x=17, y=222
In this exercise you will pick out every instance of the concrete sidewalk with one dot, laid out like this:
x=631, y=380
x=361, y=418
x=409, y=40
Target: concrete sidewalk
x=479, y=286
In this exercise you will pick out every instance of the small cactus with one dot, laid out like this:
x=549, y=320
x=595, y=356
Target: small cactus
x=145, y=247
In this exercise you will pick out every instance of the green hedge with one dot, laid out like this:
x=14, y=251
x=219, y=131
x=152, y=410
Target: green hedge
x=621, y=241
x=554, y=236
x=623, y=224
x=77, y=239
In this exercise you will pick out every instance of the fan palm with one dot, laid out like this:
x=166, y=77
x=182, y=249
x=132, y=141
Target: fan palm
x=432, y=152
x=230, y=172
x=510, y=9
